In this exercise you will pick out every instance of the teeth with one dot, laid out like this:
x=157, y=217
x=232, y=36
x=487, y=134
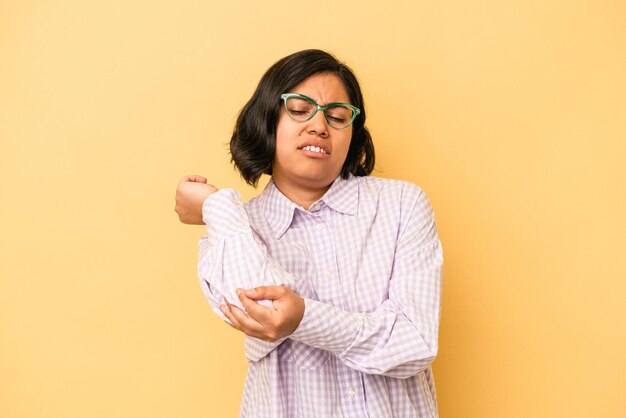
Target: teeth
x=314, y=149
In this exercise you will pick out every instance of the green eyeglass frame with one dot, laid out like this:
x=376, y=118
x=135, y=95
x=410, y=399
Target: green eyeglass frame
x=355, y=110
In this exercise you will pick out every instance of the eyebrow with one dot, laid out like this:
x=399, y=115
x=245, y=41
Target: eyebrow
x=323, y=104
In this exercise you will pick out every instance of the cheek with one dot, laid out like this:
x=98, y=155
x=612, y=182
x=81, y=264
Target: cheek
x=285, y=132
x=281, y=138
x=284, y=151
x=343, y=147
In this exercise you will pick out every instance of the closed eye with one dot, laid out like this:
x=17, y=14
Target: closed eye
x=336, y=119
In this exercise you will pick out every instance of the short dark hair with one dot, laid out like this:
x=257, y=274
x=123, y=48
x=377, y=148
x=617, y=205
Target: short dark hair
x=253, y=143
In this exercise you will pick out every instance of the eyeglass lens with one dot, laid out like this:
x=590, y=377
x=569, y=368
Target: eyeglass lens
x=299, y=109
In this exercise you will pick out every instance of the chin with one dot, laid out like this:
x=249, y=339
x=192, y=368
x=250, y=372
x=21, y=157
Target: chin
x=320, y=180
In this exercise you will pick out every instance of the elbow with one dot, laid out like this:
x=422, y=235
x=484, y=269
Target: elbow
x=412, y=367
x=409, y=370
x=398, y=370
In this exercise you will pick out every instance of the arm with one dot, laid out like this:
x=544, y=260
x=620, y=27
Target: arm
x=399, y=339
x=226, y=223
x=231, y=257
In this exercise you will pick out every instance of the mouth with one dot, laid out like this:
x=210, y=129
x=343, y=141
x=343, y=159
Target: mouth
x=316, y=150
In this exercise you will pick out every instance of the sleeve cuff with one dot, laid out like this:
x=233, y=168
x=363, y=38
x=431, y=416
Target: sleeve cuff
x=326, y=327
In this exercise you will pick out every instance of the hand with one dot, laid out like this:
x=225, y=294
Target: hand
x=267, y=324
x=191, y=192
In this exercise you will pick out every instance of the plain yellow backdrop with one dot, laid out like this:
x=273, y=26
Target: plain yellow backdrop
x=511, y=115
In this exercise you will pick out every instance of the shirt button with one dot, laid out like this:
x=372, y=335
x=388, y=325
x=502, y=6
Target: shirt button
x=327, y=273
x=352, y=391
x=320, y=227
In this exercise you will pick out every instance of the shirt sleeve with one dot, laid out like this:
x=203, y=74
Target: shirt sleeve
x=231, y=257
x=400, y=338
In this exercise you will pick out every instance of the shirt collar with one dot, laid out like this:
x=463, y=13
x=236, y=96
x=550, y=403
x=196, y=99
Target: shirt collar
x=277, y=208
x=342, y=196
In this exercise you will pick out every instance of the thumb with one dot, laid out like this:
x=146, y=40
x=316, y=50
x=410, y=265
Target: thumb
x=266, y=292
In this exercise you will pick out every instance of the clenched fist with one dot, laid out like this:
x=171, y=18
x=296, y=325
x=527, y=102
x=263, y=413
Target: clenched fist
x=191, y=192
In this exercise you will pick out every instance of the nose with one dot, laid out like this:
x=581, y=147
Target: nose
x=318, y=125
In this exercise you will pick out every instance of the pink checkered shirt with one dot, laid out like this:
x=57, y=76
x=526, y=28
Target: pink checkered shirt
x=367, y=260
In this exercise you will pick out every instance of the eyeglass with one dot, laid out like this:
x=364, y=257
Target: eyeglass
x=302, y=108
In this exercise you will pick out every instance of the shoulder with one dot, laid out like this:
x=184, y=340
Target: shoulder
x=254, y=202
x=402, y=200
x=254, y=209
x=400, y=191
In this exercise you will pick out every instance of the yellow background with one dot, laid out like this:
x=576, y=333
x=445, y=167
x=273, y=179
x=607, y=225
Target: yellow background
x=510, y=114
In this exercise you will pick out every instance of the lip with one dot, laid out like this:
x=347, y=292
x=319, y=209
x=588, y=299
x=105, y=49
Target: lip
x=313, y=154
x=315, y=144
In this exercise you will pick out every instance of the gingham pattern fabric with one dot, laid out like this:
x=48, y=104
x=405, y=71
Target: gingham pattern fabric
x=367, y=260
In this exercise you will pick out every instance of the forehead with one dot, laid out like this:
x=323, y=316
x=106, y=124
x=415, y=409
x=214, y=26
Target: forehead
x=323, y=88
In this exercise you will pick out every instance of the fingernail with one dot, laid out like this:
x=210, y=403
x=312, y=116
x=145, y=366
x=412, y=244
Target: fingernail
x=239, y=293
x=223, y=308
x=251, y=292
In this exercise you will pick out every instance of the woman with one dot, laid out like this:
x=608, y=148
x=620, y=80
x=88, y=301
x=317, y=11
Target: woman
x=334, y=276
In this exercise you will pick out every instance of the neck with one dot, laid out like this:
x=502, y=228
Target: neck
x=301, y=195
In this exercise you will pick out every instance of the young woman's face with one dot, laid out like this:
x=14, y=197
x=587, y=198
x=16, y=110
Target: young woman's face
x=297, y=166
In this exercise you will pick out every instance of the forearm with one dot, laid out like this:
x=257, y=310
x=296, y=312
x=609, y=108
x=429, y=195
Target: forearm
x=385, y=342
x=399, y=338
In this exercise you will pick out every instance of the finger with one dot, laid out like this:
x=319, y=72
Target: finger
x=194, y=178
x=266, y=292
x=197, y=179
x=248, y=325
x=228, y=314
x=258, y=312
x=230, y=325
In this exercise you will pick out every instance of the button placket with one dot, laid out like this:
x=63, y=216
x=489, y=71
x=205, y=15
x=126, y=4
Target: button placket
x=353, y=399
x=325, y=256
